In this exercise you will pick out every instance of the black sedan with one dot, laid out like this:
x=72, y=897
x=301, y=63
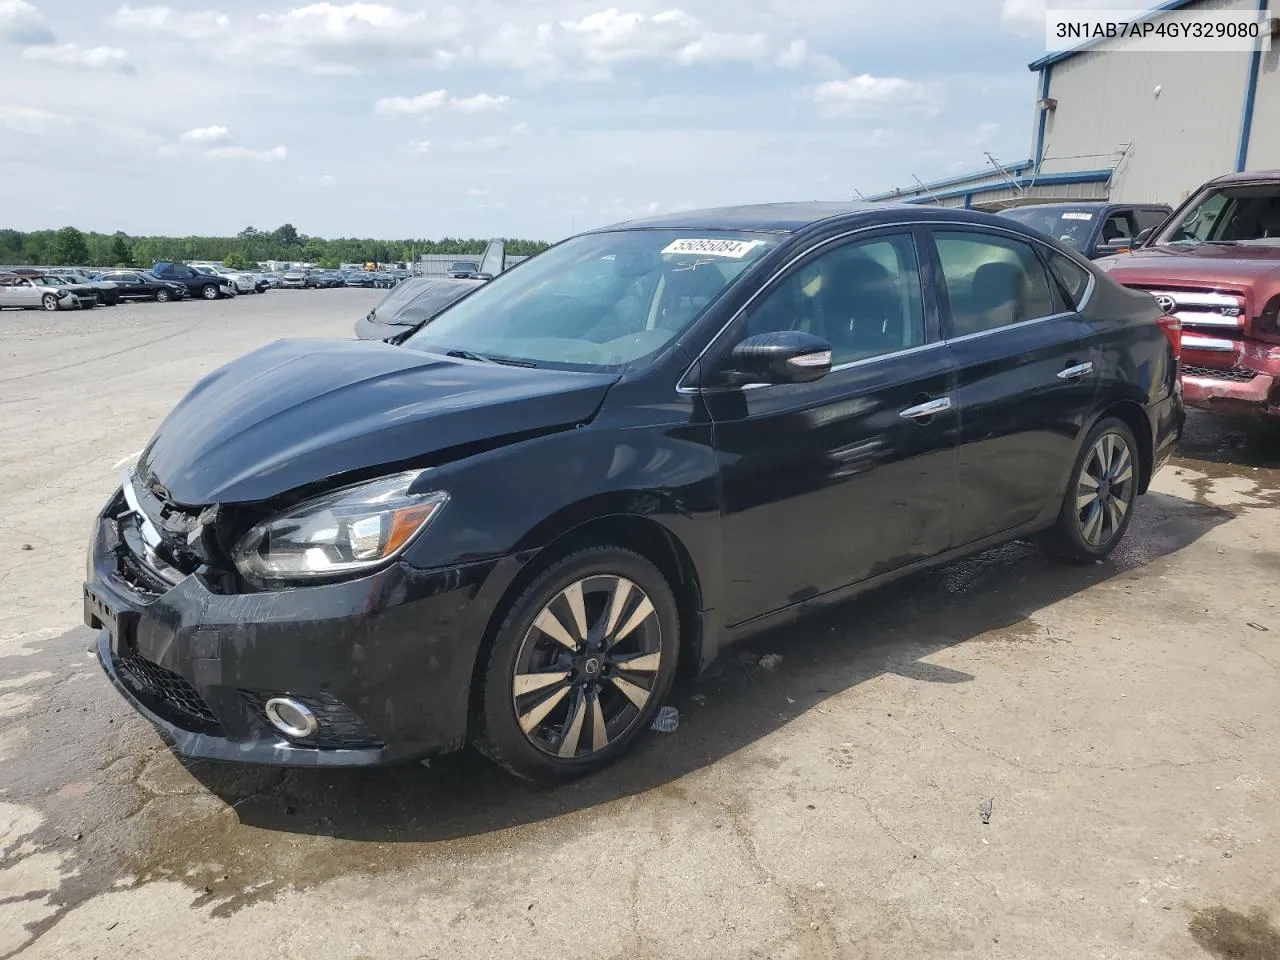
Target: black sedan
x=409, y=305
x=601, y=468
x=140, y=285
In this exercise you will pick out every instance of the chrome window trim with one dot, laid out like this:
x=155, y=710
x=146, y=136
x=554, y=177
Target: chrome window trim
x=907, y=227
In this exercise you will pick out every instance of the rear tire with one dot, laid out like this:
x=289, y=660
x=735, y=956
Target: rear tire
x=1100, y=498
x=49, y=302
x=558, y=703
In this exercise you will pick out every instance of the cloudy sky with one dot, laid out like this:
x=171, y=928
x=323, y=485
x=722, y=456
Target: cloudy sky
x=510, y=117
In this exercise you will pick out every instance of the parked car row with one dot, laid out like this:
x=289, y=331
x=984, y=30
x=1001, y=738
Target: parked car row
x=333, y=279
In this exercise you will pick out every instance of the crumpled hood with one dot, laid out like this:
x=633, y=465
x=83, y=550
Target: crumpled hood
x=300, y=411
x=1204, y=265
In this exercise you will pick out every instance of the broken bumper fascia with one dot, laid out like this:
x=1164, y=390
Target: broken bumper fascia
x=396, y=648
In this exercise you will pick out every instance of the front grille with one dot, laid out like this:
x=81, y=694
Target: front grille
x=1236, y=374
x=170, y=694
x=135, y=572
x=339, y=725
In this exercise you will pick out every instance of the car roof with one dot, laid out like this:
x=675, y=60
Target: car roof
x=760, y=217
x=1251, y=176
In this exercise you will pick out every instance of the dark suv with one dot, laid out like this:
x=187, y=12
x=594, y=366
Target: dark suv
x=198, y=284
x=1096, y=229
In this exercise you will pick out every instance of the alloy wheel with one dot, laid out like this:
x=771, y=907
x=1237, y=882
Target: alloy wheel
x=1104, y=491
x=587, y=666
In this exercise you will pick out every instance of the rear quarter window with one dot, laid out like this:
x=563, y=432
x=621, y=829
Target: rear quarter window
x=1073, y=277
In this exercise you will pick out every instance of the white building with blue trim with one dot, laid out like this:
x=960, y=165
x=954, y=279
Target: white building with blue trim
x=1135, y=127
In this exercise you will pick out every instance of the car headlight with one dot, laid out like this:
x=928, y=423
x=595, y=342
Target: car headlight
x=353, y=529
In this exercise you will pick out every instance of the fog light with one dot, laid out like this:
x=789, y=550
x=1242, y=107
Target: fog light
x=291, y=718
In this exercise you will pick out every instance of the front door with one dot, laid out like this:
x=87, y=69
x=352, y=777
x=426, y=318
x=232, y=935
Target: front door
x=831, y=482
x=1028, y=377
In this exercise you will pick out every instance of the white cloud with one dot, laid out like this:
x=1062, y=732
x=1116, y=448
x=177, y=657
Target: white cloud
x=797, y=56
x=434, y=100
x=16, y=116
x=198, y=25
x=354, y=37
x=867, y=94
x=211, y=134
x=323, y=180
x=246, y=153
x=20, y=22
x=420, y=146
x=1026, y=17
x=90, y=58
x=478, y=103
x=719, y=47
x=410, y=106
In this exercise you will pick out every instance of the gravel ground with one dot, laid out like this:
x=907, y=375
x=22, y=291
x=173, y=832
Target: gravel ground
x=1116, y=725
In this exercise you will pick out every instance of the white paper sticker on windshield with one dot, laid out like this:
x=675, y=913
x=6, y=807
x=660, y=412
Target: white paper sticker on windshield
x=737, y=249
x=1072, y=215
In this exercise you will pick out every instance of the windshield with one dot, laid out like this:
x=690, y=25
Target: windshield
x=1068, y=225
x=1240, y=214
x=600, y=300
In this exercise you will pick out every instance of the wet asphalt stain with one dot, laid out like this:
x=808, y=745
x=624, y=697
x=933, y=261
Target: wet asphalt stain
x=1220, y=448
x=1229, y=935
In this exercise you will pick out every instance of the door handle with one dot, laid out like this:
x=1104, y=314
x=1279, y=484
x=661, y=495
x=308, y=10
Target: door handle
x=921, y=410
x=1079, y=370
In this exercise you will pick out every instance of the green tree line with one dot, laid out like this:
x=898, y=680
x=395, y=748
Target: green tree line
x=73, y=248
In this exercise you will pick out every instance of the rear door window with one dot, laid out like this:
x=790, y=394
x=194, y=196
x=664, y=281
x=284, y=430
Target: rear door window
x=992, y=281
x=1149, y=217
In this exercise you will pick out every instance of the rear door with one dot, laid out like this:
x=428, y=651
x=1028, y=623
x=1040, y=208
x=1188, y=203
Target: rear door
x=1028, y=377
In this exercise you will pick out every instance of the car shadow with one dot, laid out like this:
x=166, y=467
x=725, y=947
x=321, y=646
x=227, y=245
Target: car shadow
x=736, y=702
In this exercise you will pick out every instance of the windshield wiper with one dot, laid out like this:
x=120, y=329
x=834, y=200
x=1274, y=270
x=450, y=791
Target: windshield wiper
x=472, y=355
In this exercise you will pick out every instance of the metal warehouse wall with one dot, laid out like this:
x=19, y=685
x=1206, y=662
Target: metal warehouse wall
x=1264, y=143
x=1181, y=138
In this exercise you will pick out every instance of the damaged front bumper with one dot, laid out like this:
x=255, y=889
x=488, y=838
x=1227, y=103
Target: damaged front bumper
x=383, y=662
x=1238, y=377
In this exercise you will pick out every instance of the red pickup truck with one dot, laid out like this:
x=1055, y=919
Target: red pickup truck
x=1215, y=265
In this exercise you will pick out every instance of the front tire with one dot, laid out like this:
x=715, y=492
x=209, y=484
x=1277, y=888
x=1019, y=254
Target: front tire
x=582, y=660
x=209, y=292
x=1098, y=506
x=49, y=302
x=162, y=296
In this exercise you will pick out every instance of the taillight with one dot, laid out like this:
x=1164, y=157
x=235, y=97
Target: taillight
x=1172, y=328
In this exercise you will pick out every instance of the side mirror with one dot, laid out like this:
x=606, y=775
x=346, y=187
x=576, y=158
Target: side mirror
x=1143, y=236
x=787, y=356
x=1118, y=245
x=482, y=276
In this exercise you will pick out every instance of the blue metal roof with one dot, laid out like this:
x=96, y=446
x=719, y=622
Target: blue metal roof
x=1019, y=167
x=1043, y=180
x=1057, y=57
